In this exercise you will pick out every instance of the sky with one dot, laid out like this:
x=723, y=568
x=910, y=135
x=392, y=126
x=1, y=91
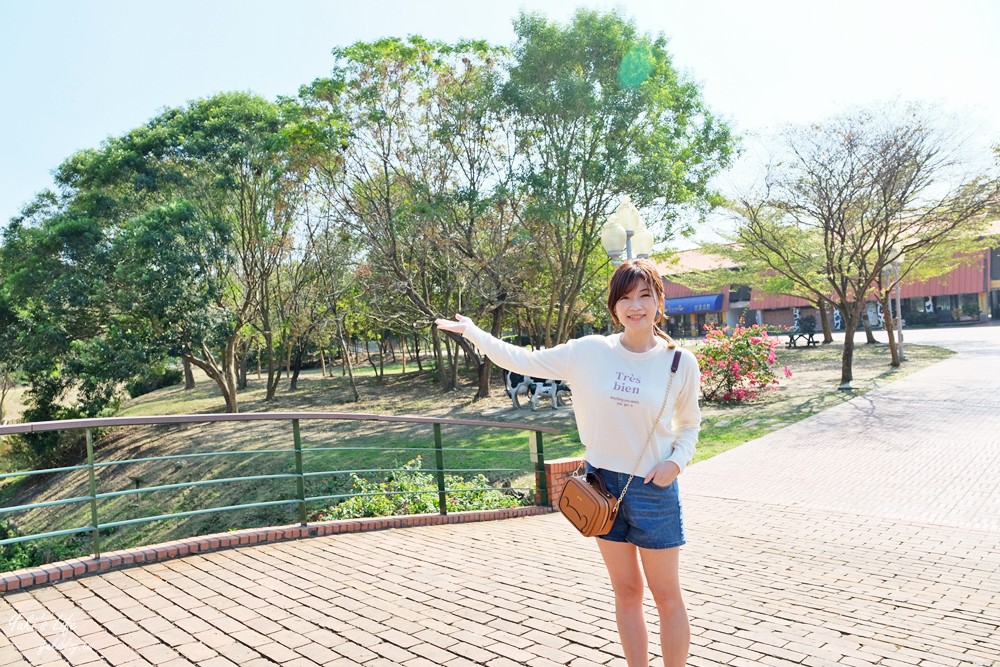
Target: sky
x=75, y=72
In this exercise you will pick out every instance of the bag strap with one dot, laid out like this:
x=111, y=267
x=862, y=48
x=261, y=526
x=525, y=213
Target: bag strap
x=673, y=371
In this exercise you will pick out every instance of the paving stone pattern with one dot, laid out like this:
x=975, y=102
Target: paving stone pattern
x=868, y=535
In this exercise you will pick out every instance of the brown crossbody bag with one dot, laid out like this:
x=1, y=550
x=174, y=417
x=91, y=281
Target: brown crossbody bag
x=585, y=500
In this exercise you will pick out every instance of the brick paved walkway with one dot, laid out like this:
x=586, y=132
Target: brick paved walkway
x=867, y=535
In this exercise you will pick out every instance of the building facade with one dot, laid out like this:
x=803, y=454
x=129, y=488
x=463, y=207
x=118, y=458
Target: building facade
x=970, y=292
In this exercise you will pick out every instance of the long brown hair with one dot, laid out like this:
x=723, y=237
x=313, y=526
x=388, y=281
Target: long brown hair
x=624, y=279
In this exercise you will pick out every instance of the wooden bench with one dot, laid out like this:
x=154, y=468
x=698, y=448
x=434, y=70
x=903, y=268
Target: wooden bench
x=807, y=339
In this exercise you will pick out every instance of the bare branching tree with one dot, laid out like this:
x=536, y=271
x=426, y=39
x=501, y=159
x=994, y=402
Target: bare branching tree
x=858, y=193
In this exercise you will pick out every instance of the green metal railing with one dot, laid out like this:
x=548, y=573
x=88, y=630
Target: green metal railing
x=297, y=473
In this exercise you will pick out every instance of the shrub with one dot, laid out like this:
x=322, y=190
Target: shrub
x=412, y=491
x=18, y=555
x=970, y=309
x=33, y=553
x=737, y=363
x=47, y=449
x=156, y=377
x=918, y=318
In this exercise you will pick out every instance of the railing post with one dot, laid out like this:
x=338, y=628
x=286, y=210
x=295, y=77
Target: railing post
x=541, y=484
x=439, y=470
x=301, y=480
x=92, y=487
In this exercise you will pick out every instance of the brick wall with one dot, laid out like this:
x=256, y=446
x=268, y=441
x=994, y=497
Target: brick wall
x=556, y=472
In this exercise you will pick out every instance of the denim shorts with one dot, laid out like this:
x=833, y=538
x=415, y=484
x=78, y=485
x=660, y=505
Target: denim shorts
x=649, y=516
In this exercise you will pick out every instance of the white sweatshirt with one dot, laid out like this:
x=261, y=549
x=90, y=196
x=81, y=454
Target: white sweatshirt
x=616, y=396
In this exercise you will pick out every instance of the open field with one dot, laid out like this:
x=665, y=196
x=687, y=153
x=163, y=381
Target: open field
x=811, y=389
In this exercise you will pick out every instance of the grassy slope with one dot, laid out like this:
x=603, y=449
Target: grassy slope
x=810, y=390
x=412, y=393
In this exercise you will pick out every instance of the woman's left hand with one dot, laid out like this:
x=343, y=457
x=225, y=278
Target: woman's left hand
x=457, y=325
x=663, y=474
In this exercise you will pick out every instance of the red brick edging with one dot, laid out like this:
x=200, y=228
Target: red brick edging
x=78, y=567
x=555, y=473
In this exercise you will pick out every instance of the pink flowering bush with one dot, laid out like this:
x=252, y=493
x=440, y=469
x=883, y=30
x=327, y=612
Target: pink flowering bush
x=737, y=363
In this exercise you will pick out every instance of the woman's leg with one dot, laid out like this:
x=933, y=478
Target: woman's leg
x=662, y=573
x=622, y=561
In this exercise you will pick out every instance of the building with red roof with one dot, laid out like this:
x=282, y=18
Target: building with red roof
x=969, y=292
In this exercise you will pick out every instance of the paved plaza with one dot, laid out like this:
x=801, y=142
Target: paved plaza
x=865, y=535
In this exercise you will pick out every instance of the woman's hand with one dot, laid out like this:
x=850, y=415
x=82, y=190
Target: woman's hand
x=457, y=325
x=663, y=474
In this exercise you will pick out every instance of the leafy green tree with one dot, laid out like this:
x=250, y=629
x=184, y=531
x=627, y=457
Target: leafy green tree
x=602, y=112
x=161, y=242
x=228, y=166
x=54, y=256
x=8, y=350
x=472, y=195
x=423, y=179
x=753, y=267
x=336, y=270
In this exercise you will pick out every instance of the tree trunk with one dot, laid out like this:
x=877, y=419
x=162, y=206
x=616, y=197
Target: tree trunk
x=300, y=350
x=5, y=386
x=851, y=317
x=402, y=350
x=322, y=362
x=869, y=335
x=416, y=350
x=485, y=365
x=218, y=374
x=890, y=330
x=346, y=359
x=371, y=359
x=381, y=357
x=273, y=366
x=229, y=366
x=188, y=374
x=439, y=358
x=241, y=368
x=827, y=330
x=452, y=364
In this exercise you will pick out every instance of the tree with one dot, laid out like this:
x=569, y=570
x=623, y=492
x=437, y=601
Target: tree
x=336, y=258
x=161, y=242
x=55, y=257
x=874, y=186
x=602, y=112
x=8, y=349
x=232, y=162
x=751, y=267
x=475, y=203
x=423, y=180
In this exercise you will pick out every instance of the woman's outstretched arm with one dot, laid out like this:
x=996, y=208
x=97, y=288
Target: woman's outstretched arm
x=554, y=363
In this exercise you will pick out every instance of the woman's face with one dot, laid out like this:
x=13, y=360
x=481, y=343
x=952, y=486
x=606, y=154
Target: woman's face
x=636, y=310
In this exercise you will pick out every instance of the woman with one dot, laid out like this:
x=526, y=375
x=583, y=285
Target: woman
x=618, y=389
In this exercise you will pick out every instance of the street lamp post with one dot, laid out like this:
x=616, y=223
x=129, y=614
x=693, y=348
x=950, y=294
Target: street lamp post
x=625, y=232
